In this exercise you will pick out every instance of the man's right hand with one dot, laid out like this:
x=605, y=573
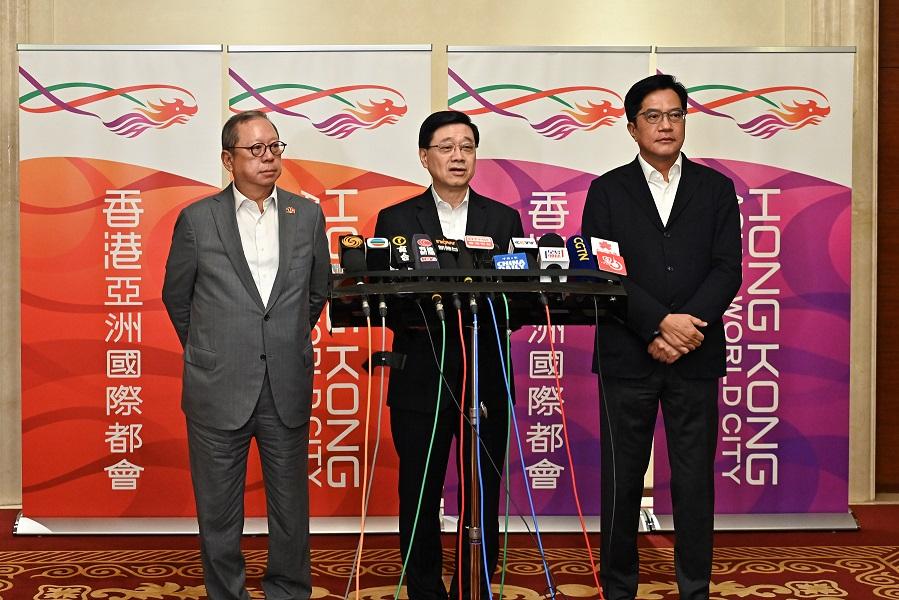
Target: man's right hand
x=680, y=330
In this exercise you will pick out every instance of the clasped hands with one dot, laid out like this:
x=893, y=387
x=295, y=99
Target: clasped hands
x=678, y=335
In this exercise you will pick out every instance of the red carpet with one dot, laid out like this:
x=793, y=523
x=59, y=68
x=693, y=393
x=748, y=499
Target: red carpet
x=781, y=566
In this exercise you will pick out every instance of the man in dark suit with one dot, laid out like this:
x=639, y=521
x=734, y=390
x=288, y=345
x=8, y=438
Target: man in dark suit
x=447, y=146
x=245, y=282
x=678, y=227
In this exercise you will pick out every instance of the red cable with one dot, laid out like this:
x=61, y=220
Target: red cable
x=577, y=500
x=461, y=457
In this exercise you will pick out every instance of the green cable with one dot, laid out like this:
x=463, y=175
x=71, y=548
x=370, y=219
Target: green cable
x=502, y=580
x=424, y=479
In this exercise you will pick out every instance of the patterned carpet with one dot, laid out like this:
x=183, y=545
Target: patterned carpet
x=779, y=566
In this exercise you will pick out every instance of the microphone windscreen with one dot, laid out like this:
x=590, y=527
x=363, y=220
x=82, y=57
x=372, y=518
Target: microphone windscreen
x=465, y=259
x=351, y=249
x=377, y=254
x=552, y=240
x=423, y=252
x=579, y=253
x=400, y=253
x=447, y=253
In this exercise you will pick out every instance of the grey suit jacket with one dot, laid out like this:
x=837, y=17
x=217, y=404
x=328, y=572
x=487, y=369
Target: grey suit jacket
x=229, y=336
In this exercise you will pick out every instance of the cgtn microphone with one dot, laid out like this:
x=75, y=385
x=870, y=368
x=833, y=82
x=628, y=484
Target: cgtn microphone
x=552, y=255
x=580, y=256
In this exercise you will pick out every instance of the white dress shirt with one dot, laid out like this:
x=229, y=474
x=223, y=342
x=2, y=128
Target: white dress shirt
x=259, y=238
x=663, y=192
x=452, y=220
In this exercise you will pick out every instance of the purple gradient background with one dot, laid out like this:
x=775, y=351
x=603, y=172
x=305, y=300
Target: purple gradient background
x=813, y=433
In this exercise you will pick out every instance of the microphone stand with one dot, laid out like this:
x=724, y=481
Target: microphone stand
x=475, y=543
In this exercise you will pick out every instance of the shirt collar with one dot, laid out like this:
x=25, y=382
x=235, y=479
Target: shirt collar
x=239, y=198
x=649, y=170
x=440, y=201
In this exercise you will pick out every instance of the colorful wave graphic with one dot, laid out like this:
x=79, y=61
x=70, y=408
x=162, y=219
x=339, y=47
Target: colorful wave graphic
x=586, y=108
x=363, y=106
x=761, y=112
x=170, y=104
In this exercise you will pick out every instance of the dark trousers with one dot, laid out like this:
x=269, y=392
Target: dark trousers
x=218, y=466
x=628, y=415
x=411, y=436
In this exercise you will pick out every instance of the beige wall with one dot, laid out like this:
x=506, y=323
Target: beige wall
x=463, y=22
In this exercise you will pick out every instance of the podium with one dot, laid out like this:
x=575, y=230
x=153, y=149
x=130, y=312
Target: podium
x=583, y=299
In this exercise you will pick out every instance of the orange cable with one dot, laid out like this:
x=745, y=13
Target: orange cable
x=577, y=500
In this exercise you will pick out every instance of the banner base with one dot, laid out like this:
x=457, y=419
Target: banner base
x=770, y=522
x=182, y=525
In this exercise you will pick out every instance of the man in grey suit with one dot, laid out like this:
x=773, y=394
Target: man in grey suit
x=245, y=282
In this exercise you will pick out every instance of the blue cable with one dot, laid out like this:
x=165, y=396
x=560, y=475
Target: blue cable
x=552, y=590
x=477, y=427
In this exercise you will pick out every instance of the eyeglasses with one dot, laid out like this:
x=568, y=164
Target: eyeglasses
x=654, y=117
x=448, y=147
x=258, y=149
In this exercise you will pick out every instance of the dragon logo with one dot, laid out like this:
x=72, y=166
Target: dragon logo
x=127, y=111
x=336, y=112
x=554, y=113
x=762, y=112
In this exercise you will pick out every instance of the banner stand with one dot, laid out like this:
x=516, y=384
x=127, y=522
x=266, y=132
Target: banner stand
x=769, y=522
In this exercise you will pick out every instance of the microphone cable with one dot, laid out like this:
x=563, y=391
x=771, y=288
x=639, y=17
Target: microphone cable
x=368, y=477
x=537, y=538
x=577, y=500
x=476, y=404
x=540, y=549
x=508, y=375
x=460, y=459
x=424, y=478
x=604, y=408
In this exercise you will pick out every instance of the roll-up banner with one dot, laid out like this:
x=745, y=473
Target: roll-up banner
x=551, y=119
x=350, y=117
x=113, y=141
x=778, y=122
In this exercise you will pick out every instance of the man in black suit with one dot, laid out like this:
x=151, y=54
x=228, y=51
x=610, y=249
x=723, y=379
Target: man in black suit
x=678, y=227
x=447, y=147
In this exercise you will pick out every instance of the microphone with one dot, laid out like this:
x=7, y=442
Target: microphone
x=553, y=255
x=528, y=245
x=423, y=252
x=481, y=247
x=580, y=255
x=351, y=250
x=377, y=254
x=512, y=262
x=465, y=262
x=400, y=254
x=425, y=256
x=377, y=258
x=447, y=253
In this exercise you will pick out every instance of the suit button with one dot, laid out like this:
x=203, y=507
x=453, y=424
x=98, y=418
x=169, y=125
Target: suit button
x=670, y=269
x=667, y=234
x=262, y=357
x=266, y=317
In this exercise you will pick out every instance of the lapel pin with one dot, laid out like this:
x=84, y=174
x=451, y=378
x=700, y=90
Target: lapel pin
x=290, y=210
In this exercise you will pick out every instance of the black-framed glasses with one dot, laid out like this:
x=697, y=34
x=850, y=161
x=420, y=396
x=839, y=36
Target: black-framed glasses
x=654, y=117
x=258, y=149
x=448, y=147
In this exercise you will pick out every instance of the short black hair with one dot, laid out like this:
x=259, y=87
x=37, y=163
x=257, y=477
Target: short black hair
x=662, y=81
x=441, y=118
x=229, y=130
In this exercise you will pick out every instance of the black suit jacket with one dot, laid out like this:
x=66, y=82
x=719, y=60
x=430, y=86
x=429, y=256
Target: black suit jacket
x=691, y=265
x=415, y=386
